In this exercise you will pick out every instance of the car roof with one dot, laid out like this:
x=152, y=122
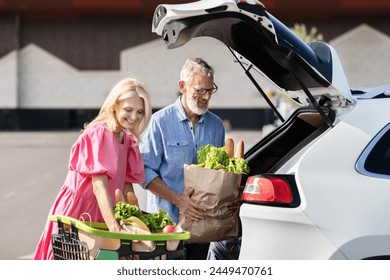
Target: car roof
x=261, y=40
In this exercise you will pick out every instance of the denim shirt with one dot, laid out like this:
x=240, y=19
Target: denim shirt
x=169, y=143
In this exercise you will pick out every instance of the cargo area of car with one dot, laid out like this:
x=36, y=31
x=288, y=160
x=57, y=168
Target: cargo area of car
x=303, y=126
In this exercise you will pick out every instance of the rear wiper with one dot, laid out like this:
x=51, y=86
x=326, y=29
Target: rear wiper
x=256, y=84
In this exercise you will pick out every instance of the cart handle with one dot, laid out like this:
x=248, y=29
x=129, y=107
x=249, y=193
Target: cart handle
x=100, y=229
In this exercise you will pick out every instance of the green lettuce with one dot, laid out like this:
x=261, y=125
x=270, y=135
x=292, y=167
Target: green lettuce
x=155, y=221
x=122, y=211
x=212, y=157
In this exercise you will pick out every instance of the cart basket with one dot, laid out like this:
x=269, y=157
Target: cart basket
x=67, y=245
x=81, y=240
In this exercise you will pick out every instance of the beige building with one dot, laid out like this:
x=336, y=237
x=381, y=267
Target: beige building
x=57, y=64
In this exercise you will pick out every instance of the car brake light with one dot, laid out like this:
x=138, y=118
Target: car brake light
x=267, y=189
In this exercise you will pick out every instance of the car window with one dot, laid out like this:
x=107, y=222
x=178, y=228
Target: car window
x=376, y=158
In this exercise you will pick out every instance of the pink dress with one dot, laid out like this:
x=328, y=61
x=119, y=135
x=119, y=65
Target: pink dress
x=96, y=151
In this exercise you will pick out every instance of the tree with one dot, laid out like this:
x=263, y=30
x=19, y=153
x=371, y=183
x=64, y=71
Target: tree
x=307, y=36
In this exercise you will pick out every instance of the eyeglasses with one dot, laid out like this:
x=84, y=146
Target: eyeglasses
x=203, y=91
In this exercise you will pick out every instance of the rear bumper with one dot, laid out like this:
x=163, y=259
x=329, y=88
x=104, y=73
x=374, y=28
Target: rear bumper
x=274, y=233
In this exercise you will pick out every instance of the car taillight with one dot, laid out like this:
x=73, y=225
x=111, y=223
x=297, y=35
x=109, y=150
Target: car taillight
x=267, y=190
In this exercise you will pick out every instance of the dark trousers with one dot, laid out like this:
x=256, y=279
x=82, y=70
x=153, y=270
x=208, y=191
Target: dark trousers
x=197, y=251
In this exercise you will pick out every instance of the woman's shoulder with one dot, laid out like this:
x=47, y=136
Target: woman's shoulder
x=95, y=130
x=98, y=126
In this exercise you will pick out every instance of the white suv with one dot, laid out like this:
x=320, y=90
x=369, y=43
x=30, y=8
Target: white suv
x=319, y=185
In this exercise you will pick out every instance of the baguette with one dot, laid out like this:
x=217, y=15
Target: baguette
x=119, y=196
x=137, y=222
x=239, y=153
x=131, y=198
x=229, y=147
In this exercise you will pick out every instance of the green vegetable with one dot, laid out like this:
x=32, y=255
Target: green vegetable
x=212, y=157
x=155, y=221
x=216, y=158
x=122, y=211
x=238, y=165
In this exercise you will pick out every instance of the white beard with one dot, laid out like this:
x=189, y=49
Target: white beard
x=191, y=103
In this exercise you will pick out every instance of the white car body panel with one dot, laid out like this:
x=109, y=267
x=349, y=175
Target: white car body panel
x=359, y=219
x=271, y=233
x=195, y=8
x=356, y=208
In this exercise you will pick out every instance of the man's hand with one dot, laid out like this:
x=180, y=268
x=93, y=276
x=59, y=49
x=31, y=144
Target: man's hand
x=186, y=205
x=190, y=208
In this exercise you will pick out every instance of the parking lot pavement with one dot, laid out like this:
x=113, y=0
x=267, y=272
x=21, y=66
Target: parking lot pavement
x=33, y=166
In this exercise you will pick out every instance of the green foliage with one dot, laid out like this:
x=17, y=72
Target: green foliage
x=306, y=35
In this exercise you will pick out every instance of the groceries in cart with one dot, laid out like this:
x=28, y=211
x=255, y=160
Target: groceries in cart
x=149, y=236
x=133, y=219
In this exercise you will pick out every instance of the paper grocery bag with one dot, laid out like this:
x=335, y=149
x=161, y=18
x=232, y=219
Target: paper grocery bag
x=215, y=190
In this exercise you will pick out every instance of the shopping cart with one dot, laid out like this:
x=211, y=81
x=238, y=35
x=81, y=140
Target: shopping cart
x=83, y=240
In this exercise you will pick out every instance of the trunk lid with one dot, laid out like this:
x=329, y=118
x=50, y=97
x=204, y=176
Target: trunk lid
x=310, y=74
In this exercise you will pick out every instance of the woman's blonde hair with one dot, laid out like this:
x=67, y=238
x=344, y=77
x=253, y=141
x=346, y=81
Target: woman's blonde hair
x=124, y=89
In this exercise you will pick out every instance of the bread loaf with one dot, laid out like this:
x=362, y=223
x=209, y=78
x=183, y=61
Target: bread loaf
x=239, y=153
x=131, y=198
x=119, y=195
x=229, y=147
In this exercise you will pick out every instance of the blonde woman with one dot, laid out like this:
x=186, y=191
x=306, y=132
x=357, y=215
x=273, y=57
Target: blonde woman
x=104, y=158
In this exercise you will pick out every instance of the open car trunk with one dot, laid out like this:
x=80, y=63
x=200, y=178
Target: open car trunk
x=303, y=126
